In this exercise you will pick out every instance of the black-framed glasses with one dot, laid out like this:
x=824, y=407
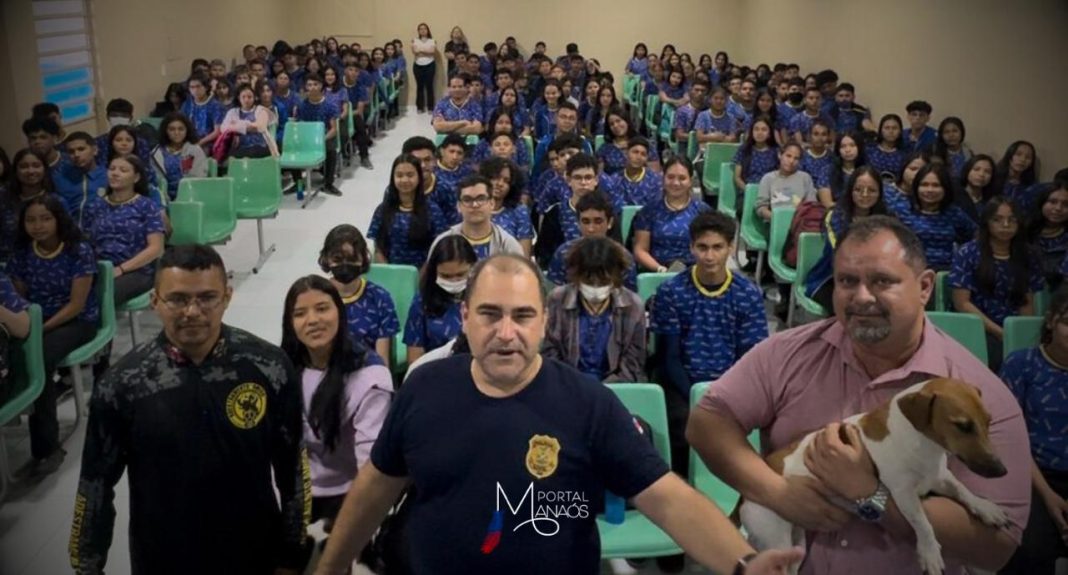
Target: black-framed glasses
x=474, y=201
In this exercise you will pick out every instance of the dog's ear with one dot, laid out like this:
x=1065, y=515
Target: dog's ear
x=918, y=408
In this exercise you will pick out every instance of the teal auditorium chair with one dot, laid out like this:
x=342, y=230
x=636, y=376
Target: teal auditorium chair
x=402, y=283
x=809, y=251
x=1021, y=332
x=703, y=480
x=28, y=378
x=966, y=328
x=104, y=292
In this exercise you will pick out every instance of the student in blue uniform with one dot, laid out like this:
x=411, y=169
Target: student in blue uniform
x=756, y=157
x=594, y=120
x=316, y=107
x=29, y=178
x=84, y=177
x=448, y=172
x=764, y=105
x=950, y=146
x=560, y=151
x=849, y=116
x=506, y=186
x=612, y=155
x=705, y=318
x=458, y=112
x=14, y=317
x=673, y=89
x=500, y=123
x=919, y=136
x=595, y=216
x=566, y=123
x=818, y=159
x=42, y=137
x=1046, y=231
x=434, y=316
x=177, y=156
x=54, y=268
x=801, y=124
x=715, y=124
x=661, y=228
x=995, y=275
x=887, y=156
x=848, y=156
x=509, y=103
x=638, y=63
x=976, y=185
x=582, y=178
x=686, y=115
x=1015, y=173
x=372, y=316
x=1038, y=376
x=406, y=222
x=931, y=213
x=202, y=110
x=637, y=183
x=543, y=111
x=597, y=325
x=591, y=87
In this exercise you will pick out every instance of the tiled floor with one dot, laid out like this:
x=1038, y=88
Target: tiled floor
x=35, y=519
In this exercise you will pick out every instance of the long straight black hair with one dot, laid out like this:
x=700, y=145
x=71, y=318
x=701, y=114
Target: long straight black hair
x=420, y=232
x=436, y=301
x=346, y=356
x=1020, y=260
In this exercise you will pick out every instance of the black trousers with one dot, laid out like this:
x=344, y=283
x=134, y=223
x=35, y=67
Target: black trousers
x=363, y=141
x=331, y=162
x=44, y=424
x=131, y=285
x=424, y=86
x=1042, y=544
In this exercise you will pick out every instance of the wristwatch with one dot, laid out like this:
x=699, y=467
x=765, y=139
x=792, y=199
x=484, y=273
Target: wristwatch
x=872, y=507
x=739, y=568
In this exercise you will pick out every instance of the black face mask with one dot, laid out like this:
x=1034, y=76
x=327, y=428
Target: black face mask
x=795, y=98
x=345, y=273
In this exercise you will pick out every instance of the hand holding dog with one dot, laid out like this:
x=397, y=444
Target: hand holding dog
x=843, y=466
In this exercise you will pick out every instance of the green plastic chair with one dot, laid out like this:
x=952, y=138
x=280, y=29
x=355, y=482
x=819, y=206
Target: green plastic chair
x=628, y=218
x=1041, y=302
x=716, y=154
x=1021, y=332
x=780, y=229
x=529, y=142
x=187, y=223
x=213, y=168
x=703, y=480
x=943, y=292
x=350, y=126
x=104, y=292
x=691, y=146
x=257, y=196
x=371, y=112
x=130, y=308
x=966, y=328
x=666, y=129
x=217, y=195
x=154, y=122
x=304, y=149
x=648, y=283
x=637, y=536
x=652, y=104
x=809, y=251
x=28, y=373
x=727, y=204
x=402, y=283
x=598, y=141
x=754, y=229
x=629, y=81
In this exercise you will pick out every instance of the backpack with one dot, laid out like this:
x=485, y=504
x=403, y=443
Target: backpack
x=807, y=218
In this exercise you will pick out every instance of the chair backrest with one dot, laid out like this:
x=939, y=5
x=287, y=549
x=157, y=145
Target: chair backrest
x=648, y=283
x=943, y=293
x=646, y=400
x=304, y=137
x=628, y=218
x=529, y=142
x=598, y=141
x=809, y=251
x=1021, y=332
x=720, y=152
x=1041, y=301
x=154, y=122
x=402, y=283
x=652, y=104
x=27, y=369
x=187, y=223
x=756, y=226
x=780, y=228
x=691, y=145
x=217, y=195
x=667, y=123
x=256, y=180
x=966, y=328
x=105, y=298
x=728, y=196
x=723, y=495
x=213, y=168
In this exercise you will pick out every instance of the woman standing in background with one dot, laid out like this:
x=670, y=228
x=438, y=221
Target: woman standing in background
x=457, y=44
x=424, y=48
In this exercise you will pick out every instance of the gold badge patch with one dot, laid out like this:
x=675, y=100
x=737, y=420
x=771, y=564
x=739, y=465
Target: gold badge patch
x=542, y=456
x=246, y=405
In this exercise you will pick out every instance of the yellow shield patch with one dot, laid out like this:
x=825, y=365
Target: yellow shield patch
x=542, y=456
x=246, y=405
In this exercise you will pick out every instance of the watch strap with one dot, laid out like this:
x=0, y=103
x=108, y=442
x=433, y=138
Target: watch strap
x=743, y=563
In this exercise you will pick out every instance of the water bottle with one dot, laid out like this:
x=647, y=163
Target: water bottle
x=614, y=508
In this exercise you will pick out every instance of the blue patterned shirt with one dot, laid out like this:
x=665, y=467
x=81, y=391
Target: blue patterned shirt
x=994, y=305
x=48, y=280
x=325, y=111
x=594, y=333
x=802, y=123
x=371, y=314
x=726, y=124
x=77, y=188
x=685, y=116
x=1042, y=390
x=447, y=110
x=716, y=326
x=885, y=162
x=938, y=231
x=9, y=298
x=120, y=231
x=819, y=168
x=646, y=188
x=516, y=221
x=669, y=230
x=205, y=117
x=761, y=162
x=615, y=158
x=446, y=189
x=1052, y=251
x=849, y=119
x=924, y=142
x=431, y=332
x=482, y=152
x=401, y=251
x=558, y=267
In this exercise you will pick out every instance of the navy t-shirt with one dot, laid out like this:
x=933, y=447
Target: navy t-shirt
x=548, y=452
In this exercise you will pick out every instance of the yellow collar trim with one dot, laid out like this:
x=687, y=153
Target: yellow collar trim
x=641, y=176
x=47, y=256
x=112, y=202
x=357, y=295
x=707, y=292
x=478, y=241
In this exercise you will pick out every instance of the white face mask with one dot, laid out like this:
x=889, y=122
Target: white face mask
x=455, y=287
x=118, y=121
x=595, y=294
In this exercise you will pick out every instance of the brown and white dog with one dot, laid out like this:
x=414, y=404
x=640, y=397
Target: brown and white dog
x=908, y=439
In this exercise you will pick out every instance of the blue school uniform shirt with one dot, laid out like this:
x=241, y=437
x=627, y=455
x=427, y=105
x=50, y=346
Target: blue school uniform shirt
x=673, y=92
x=541, y=152
x=48, y=280
x=802, y=123
x=1040, y=387
x=449, y=111
x=848, y=120
x=544, y=120
x=9, y=298
x=614, y=158
x=324, y=111
x=427, y=332
x=669, y=230
x=118, y=232
x=251, y=139
x=1052, y=251
x=446, y=192
x=716, y=326
x=637, y=66
x=819, y=168
x=706, y=123
x=736, y=110
x=957, y=160
x=994, y=305
x=204, y=116
x=370, y=314
x=557, y=272
x=77, y=188
x=938, y=232
x=647, y=187
x=760, y=162
x=401, y=249
x=885, y=162
x=594, y=332
x=785, y=111
x=685, y=117
x=482, y=152
x=516, y=221
x=557, y=191
x=924, y=142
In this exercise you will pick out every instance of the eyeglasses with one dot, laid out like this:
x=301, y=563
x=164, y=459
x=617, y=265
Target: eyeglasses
x=180, y=302
x=583, y=177
x=474, y=201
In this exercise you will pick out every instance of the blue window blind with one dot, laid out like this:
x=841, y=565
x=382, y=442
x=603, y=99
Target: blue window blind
x=64, y=56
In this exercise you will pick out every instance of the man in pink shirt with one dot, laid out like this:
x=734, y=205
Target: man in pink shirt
x=799, y=380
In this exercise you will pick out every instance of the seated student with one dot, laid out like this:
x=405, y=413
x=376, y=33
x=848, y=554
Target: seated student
x=510, y=104
x=705, y=319
x=42, y=136
x=359, y=100
x=800, y=126
x=476, y=224
x=756, y=157
x=995, y=275
x=919, y=136
x=638, y=63
x=406, y=222
x=345, y=386
x=1046, y=229
x=591, y=88
x=1037, y=377
x=950, y=146
x=795, y=99
x=251, y=121
x=372, y=316
x=901, y=188
x=505, y=80
x=1015, y=173
x=848, y=156
x=84, y=177
x=457, y=112
x=849, y=116
x=653, y=78
x=265, y=98
x=286, y=97
x=673, y=89
x=637, y=185
x=223, y=94
x=543, y=112
x=506, y=186
x=818, y=159
x=448, y=172
x=53, y=268
x=434, y=316
x=581, y=178
x=933, y=216
x=595, y=324
x=203, y=111
x=764, y=105
x=501, y=123
x=596, y=218
x=613, y=153
x=862, y=197
x=29, y=179
x=594, y=120
x=566, y=123
x=975, y=186
x=661, y=228
x=178, y=155
x=172, y=101
x=544, y=190
x=786, y=186
x=316, y=107
x=887, y=156
x=51, y=111
x=476, y=92
x=715, y=124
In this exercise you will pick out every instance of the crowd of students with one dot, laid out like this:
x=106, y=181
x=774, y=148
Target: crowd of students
x=537, y=184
